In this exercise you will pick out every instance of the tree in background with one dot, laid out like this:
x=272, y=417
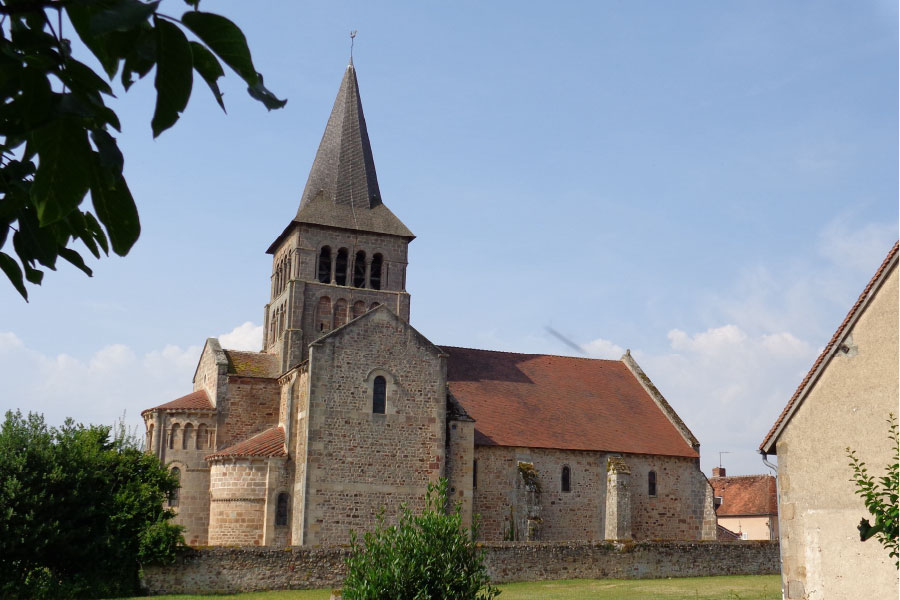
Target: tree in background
x=55, y=140
x=80, y=510
x=425, y=557
x=880, y=496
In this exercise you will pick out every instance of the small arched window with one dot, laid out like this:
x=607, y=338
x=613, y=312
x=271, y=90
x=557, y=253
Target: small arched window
x=187, y=437
x=173, y=435
x=566, y=483
x=375, y=272
x=173, y=497
x=651, y=483
x=323, y=314
x=340, y=313
x=281, y=509
x=324, y=268
x=359, y=309
x=375, y=305
x=379, y=395
x=359, y=270
x=340, y=267
x=202, y=436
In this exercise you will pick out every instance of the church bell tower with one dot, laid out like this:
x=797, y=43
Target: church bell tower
x=344, y=252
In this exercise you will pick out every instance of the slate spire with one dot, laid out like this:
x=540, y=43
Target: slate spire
x=342, y=189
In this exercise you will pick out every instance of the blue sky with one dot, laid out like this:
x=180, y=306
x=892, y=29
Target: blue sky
x=709, y=184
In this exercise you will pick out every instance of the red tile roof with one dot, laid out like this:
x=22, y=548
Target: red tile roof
x=194, y=401
x=543, y=401
x=745, y=495
x=253, y=364
x=766, y=446
x=268, y=443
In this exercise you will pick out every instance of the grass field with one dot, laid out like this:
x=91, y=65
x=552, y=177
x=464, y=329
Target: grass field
x=761, y=587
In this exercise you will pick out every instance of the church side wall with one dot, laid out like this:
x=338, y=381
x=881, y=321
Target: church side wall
x=359, y=461
x=238, y=493
x=251, y=406
x=460, y=457
x=300, y=432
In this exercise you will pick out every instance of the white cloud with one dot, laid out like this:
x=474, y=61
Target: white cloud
x=601, y=348
x=243, y=337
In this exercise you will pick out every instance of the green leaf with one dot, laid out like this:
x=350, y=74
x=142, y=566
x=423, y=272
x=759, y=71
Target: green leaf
x=75, y=258
x=80, y=16
x=225, y=39
x=61, y=180
x=259, y=92
x=173, y=76
x=110, y=155
x=35, y=276
x=115, y=208
x=14, y=273
x=124, y=15
x=94, y=227
x=206, y=64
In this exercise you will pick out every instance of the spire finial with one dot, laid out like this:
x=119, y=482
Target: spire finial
x=352, y=36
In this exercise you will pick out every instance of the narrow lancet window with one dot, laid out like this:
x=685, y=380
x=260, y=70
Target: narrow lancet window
x=379, y=395
x=340, y=267
x=359, y=270
x=375, y=275
x=651, y=483
x=173, y=498
x=281, y=510
x=186, y=437
x=325, y=265
x=566, y=484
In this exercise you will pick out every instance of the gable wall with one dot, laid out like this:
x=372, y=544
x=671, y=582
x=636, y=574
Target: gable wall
x=818, y=511
x=251, y=405
x=359, y=461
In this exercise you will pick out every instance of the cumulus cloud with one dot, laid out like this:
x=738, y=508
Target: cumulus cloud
x=243, y=337
x=601, y=348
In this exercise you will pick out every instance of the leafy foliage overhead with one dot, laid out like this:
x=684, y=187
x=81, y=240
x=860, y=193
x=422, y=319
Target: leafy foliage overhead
x=80, y=510
x=56, y=144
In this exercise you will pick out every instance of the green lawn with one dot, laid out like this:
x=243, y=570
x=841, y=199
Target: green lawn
x=762, y=587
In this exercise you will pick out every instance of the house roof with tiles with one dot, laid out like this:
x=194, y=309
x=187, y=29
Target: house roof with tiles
x=252, y=364
x=195, y=401
x=745, y=495
x=269, y=443
x=544, y=401
x=768, y=445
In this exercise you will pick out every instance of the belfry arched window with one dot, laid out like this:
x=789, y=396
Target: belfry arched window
x=379, y=395
x=566, y=479
x=173, y=497
x=340, y=267
x=324, y=268
x=375, y=272
x=651, y=483
x=281, y=509
x=359, y=270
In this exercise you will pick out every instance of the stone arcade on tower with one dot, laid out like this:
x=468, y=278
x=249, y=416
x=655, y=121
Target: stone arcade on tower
x=348, y=408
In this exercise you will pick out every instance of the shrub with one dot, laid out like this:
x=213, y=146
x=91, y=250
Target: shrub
x=80, y=510
x=426, y=556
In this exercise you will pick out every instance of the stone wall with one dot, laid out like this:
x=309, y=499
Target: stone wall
x=233, y=570
x=250, y=407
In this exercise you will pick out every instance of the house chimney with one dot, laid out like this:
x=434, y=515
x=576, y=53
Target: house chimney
x=718, y=471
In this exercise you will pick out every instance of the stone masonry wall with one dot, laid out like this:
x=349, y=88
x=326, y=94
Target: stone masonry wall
x=237, y=502
x=233, y=570
x=359, y=461
x=251, y=406
x=681, y=509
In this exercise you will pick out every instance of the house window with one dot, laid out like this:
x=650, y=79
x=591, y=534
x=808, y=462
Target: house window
x=566, y=480
x=281, y=510
x=379, y=394
x=173, y=497
x=325, y=265
x=651, y=483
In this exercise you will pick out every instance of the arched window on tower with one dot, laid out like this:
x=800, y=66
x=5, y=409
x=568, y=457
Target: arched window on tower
x=340, y=313
x=566, y=483
x=375, y=272
x=173, y=435
x=187, y=437
x=281, y=509
x=359, y=309
x=651, y=483
x=323, y=314
x=340, y=267
x=379, y=395
x=359, y=270
x=324, y=267
x=173, y=498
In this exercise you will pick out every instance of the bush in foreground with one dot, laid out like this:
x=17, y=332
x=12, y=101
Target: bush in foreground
x=425, y=557
x=80, y=510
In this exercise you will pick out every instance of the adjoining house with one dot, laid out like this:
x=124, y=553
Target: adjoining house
x=844, y=401
x=348, y=409
x=746, y=505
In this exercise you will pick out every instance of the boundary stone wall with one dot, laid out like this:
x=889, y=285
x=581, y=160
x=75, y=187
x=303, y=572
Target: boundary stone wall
x=250, y=569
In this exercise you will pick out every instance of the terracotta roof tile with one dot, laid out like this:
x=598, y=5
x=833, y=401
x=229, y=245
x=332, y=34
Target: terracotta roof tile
x=194, y=401
x=829, y=349
x=268, y=443
x=745, y=495
x=543, y=401
x=252, y=364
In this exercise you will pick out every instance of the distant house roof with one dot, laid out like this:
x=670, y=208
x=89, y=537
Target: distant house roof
x=543, y=401
x=194, y=401
x=768, y=444
x=252, y=364
x=745, y=495
x=268, y=443
x=723, y=534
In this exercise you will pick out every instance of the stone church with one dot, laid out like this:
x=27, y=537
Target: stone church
x=348, y=408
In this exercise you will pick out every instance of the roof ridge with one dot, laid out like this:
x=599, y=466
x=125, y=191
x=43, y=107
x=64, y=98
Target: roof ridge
x=612, y=360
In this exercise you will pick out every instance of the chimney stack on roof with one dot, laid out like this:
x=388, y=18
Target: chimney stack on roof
x=718, y=471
